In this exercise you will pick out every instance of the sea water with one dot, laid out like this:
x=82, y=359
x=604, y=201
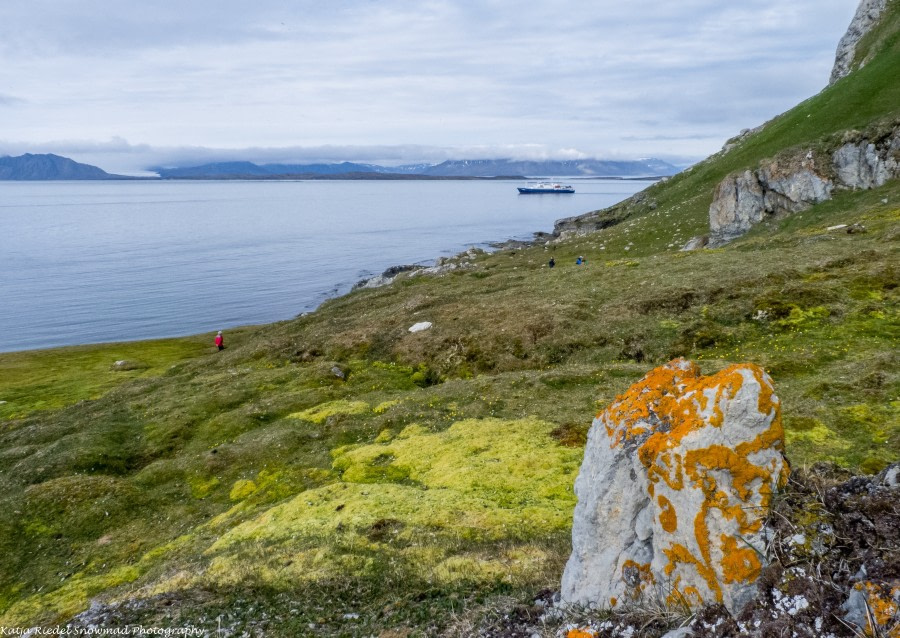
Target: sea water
x=87, y=262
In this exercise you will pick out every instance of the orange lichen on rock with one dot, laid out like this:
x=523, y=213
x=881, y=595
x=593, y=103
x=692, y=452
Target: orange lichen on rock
x=740, y=564
x=708, y=456
x=679, y=596
x=667, y=516
x=885, y=610
x=679, y=554
x=580, y=633
x=634, y=411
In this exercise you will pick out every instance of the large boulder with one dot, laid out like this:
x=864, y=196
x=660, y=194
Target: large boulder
x=674, y=489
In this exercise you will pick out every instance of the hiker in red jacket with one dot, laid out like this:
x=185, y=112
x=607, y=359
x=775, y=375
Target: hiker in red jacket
x=220, y=341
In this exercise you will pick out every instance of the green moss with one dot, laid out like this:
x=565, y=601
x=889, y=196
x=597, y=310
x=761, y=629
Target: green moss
x=385, y=436
x=479, y=480
x=242, y=489
x=320, y=413
x=202, y=486
x=68, y=600
x=798, y=317
x=384, y=406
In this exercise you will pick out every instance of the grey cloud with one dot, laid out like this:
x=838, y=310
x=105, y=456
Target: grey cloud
x=359, y=76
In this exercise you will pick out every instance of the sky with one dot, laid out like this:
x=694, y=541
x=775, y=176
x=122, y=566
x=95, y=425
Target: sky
x=132, y=85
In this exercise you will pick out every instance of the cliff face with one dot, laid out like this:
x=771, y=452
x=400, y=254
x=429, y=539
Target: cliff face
x=867, y=16
x=793, y=183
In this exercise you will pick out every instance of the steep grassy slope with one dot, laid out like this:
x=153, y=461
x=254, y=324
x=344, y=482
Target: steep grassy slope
x=433, y=481
x=865, y=99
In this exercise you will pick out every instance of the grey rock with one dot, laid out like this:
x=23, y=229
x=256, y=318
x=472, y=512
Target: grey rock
x=860, y=166
x=889, y=476
x=867, y=16
x=696, y=243
x=790, y=188
x=681, y=632
x=789, y=185
x=855, y=608
x=444, y=268
x=123, y=365
x=738, y=204
x=645, y=518
x=385, y=278
x=420, y=327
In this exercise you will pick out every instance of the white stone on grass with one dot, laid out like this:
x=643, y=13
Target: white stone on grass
x=419, y=327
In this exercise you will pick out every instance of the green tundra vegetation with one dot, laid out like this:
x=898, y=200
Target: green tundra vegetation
x=430, y=483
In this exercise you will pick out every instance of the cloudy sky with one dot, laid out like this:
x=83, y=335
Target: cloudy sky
x=129, y=85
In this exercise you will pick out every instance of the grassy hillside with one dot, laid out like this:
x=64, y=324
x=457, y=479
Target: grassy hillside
x=431, y=484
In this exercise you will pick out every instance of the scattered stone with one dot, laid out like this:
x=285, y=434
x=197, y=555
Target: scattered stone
x=123, y=365
x=677, y=477
x=419, y=327
x=889, y=476
x=442, y=268
x=331, y=371
x=696, y=243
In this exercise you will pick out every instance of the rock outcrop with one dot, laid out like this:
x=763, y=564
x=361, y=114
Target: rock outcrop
x=386, y=278
x=867, y=16
x=677, y=477
x=793, y=183
x=597, y=220
x=865, y=165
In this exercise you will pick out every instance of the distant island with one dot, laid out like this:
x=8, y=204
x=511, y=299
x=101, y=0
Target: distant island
x=30, y=167
x=34, y=167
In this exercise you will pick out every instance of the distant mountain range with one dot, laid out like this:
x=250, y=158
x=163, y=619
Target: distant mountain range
x=54, y=167
x=45, y=167
x=450, y=168
x=549, y=168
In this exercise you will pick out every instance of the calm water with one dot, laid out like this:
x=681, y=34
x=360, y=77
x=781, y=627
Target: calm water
x=85, y=262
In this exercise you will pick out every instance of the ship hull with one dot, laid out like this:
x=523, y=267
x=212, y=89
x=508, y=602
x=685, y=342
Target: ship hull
x=541, y=191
